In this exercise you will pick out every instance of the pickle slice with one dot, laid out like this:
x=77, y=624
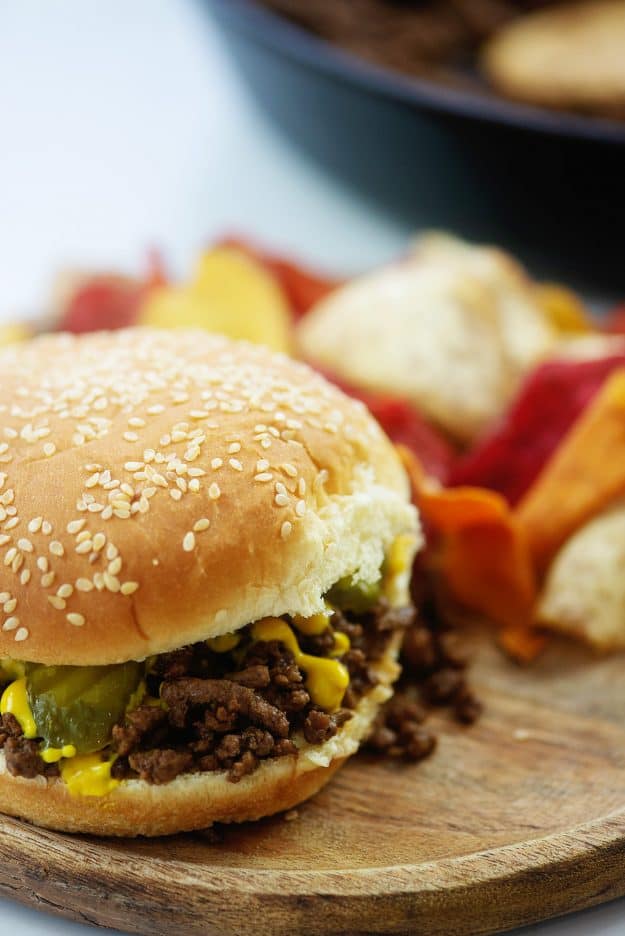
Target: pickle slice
x=80, y=704
x=359, y=597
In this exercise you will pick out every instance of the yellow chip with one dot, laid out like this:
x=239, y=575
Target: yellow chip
x=231, y=294
x=10, y=334
x=563, y=308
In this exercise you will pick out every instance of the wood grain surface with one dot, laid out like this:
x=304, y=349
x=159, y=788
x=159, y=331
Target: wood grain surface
x=517, y=819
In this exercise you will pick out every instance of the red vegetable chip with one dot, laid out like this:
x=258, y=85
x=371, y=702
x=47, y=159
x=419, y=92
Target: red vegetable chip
x=510, y=457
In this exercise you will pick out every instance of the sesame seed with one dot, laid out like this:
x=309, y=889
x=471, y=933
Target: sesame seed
x=4, y=539
x=92, y=480
x=42, y=563
x=46, y=528
x=11, y=524
x=25, y=545
x=216, y=463
x=285, y=529
x=11, y=623
x=25, y=576
x=47, y=579
x=98, y=542
x=84, y=547
x=175, y=494
x=192, y=453
x=84, y=585
x=111, y=551
x=129, y=588
x=65, y=591
x=234, y=448
x=35, y=524
x=10, y=606
x=131, y=437
x=115, y=566
x=21, y=634
x=236, y=464
x=134, y=465
x=194, y=485
x=289, y=469
x=137, y=422
x=281, y=500
x=156, y=409
x=300, y=508
x=10, y=555
x=280, y=488
x=263, y=476
x=188, y=543
x=76, y=619
x=56, y=602
x=111, y=582
x=262, y=464
x=214, y=491
x=200, y=525
x=301, y=487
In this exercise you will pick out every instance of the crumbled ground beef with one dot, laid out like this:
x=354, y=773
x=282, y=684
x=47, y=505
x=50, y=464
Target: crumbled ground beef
x=433, y=674
x=23, y=758
x=230, y=711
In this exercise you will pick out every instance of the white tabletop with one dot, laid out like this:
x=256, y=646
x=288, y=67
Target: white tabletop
x=125, y=125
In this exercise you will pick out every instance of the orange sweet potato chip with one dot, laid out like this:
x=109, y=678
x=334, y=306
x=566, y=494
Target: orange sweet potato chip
x=584, y=475
x=476, y=549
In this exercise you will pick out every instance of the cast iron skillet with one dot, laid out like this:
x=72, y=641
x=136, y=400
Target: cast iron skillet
x=294, y=42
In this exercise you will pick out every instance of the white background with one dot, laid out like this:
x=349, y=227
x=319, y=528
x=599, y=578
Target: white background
x=124, y=125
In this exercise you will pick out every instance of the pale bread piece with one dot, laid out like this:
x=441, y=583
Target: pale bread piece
x=570, y=56
x=453, y=329
x=584, y=593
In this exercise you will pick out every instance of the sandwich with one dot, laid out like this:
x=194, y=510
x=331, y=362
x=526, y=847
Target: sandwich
x=205, y=553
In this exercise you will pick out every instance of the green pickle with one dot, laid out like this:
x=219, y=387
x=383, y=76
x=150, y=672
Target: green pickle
x=80, y=704
x=357, y=597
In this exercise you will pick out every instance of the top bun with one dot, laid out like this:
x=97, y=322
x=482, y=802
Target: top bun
x=161, y=488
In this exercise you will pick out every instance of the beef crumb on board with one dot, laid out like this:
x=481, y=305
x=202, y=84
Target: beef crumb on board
x=434, y=674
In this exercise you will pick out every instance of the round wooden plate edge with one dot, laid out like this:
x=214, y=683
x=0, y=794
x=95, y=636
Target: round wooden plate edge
x=466, y=895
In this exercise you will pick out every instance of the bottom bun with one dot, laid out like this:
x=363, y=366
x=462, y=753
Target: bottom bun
x=195, y=801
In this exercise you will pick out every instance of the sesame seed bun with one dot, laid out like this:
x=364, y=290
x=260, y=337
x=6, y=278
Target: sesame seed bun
x=161, y=488
x=195, y=801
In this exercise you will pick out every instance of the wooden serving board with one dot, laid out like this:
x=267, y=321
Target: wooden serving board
x=517, y=819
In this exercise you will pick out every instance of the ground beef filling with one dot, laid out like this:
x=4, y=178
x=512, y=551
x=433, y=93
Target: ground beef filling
x=230, y=711
x=434, y=675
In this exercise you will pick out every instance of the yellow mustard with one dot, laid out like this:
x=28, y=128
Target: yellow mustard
x=399, y=554
x=52, y=755
x=313, y=625
x=224, y=643
x=88, y=775
x=326, y=680
x=15, y=701
x=341, y=644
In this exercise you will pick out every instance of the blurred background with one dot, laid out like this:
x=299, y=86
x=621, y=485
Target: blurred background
x=167, y=122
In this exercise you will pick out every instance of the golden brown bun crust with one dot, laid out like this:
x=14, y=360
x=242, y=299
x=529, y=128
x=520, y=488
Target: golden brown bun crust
x=159, y=488
x=567, y=56
x=194, y=801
